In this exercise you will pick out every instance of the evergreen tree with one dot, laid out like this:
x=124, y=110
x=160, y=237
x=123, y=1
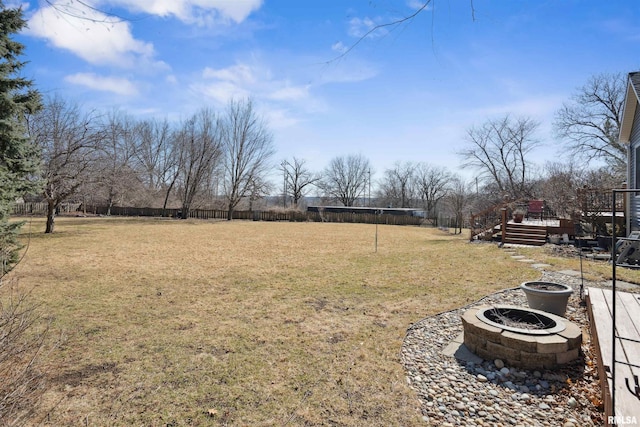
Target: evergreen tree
x=19, y=157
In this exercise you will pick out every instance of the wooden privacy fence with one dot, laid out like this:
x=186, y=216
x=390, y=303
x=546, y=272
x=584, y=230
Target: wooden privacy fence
x=294, y=216
x=361, y=218
x=41, y=208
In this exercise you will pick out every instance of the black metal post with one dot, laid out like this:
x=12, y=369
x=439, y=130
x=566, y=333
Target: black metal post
x=614, y=261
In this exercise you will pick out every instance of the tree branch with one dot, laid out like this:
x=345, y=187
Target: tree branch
x=378, y=27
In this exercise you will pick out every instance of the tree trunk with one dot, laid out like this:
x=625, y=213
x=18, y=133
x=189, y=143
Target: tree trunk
x=166, y=197
x=230, y=214
x=51, y=215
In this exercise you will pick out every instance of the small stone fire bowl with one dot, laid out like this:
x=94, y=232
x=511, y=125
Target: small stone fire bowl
x=521, y=337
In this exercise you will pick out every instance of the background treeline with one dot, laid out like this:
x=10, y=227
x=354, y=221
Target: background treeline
x=225, y=160
x=209, y=160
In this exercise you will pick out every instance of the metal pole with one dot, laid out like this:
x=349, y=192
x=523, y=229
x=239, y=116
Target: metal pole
x=378, y=213
x=284, y=185
x=369, y=204
x=376, y=236
x=613, y=305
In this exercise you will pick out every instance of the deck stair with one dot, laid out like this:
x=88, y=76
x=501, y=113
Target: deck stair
x=525, y=234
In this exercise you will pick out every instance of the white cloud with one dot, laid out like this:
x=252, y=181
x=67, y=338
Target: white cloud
x=539, y=107
x=239, y=74
x=281, y=101
x=290, y=93
x=349, y=71
x=242, y=79
x=339, y=47
x=118, y=85
x=279, y=119
x=221, y=85
x=419, y=4
x=103, y=39
x=201, y=12
x=221, y=91
x=94, y=37
x=361, y=27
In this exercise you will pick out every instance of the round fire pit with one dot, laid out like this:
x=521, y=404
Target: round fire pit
x=521, y=337
x=520, y=320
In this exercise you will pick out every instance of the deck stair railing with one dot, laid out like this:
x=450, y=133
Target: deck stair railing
x=485, y=224
x=491, y=223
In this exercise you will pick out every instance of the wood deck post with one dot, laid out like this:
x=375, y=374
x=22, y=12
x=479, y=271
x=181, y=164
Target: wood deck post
x=503, y=224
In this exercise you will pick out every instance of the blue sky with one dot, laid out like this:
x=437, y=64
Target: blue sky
x=405, y=93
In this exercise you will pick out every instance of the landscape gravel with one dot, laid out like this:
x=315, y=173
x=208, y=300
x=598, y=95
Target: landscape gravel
x=491, y=393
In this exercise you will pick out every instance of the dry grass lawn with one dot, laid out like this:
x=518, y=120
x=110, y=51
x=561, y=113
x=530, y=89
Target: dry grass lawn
x=177, y=323
x=592, y=270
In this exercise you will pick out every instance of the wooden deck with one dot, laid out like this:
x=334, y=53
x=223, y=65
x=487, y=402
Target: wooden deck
x=627, y=377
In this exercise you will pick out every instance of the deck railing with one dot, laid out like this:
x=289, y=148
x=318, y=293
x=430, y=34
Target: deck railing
x=483, y=224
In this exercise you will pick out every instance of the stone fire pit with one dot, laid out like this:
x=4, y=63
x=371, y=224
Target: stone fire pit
x=521, y=337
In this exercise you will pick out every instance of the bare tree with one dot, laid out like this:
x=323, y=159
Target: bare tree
x=117, y=176
x=498, y=150
x=24, y=342
x=397, y=186
x=297, y=179
x=153, y=153
x=578, y=192
x=591, y=120
x=258, y=189
x=603, y=178
x=68, y=139
x=458, y=201
x=432, y=185
x=346, y=178
x=247, y=147
x=199, y=144
x=560, y=188
x=158, y=155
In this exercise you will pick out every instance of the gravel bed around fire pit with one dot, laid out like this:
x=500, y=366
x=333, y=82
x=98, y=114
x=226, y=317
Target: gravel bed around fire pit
x=487, y=393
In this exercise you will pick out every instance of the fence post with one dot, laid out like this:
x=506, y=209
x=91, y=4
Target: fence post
x=503, y=224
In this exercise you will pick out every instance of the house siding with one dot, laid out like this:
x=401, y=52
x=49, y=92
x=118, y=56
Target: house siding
x=634, y=173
